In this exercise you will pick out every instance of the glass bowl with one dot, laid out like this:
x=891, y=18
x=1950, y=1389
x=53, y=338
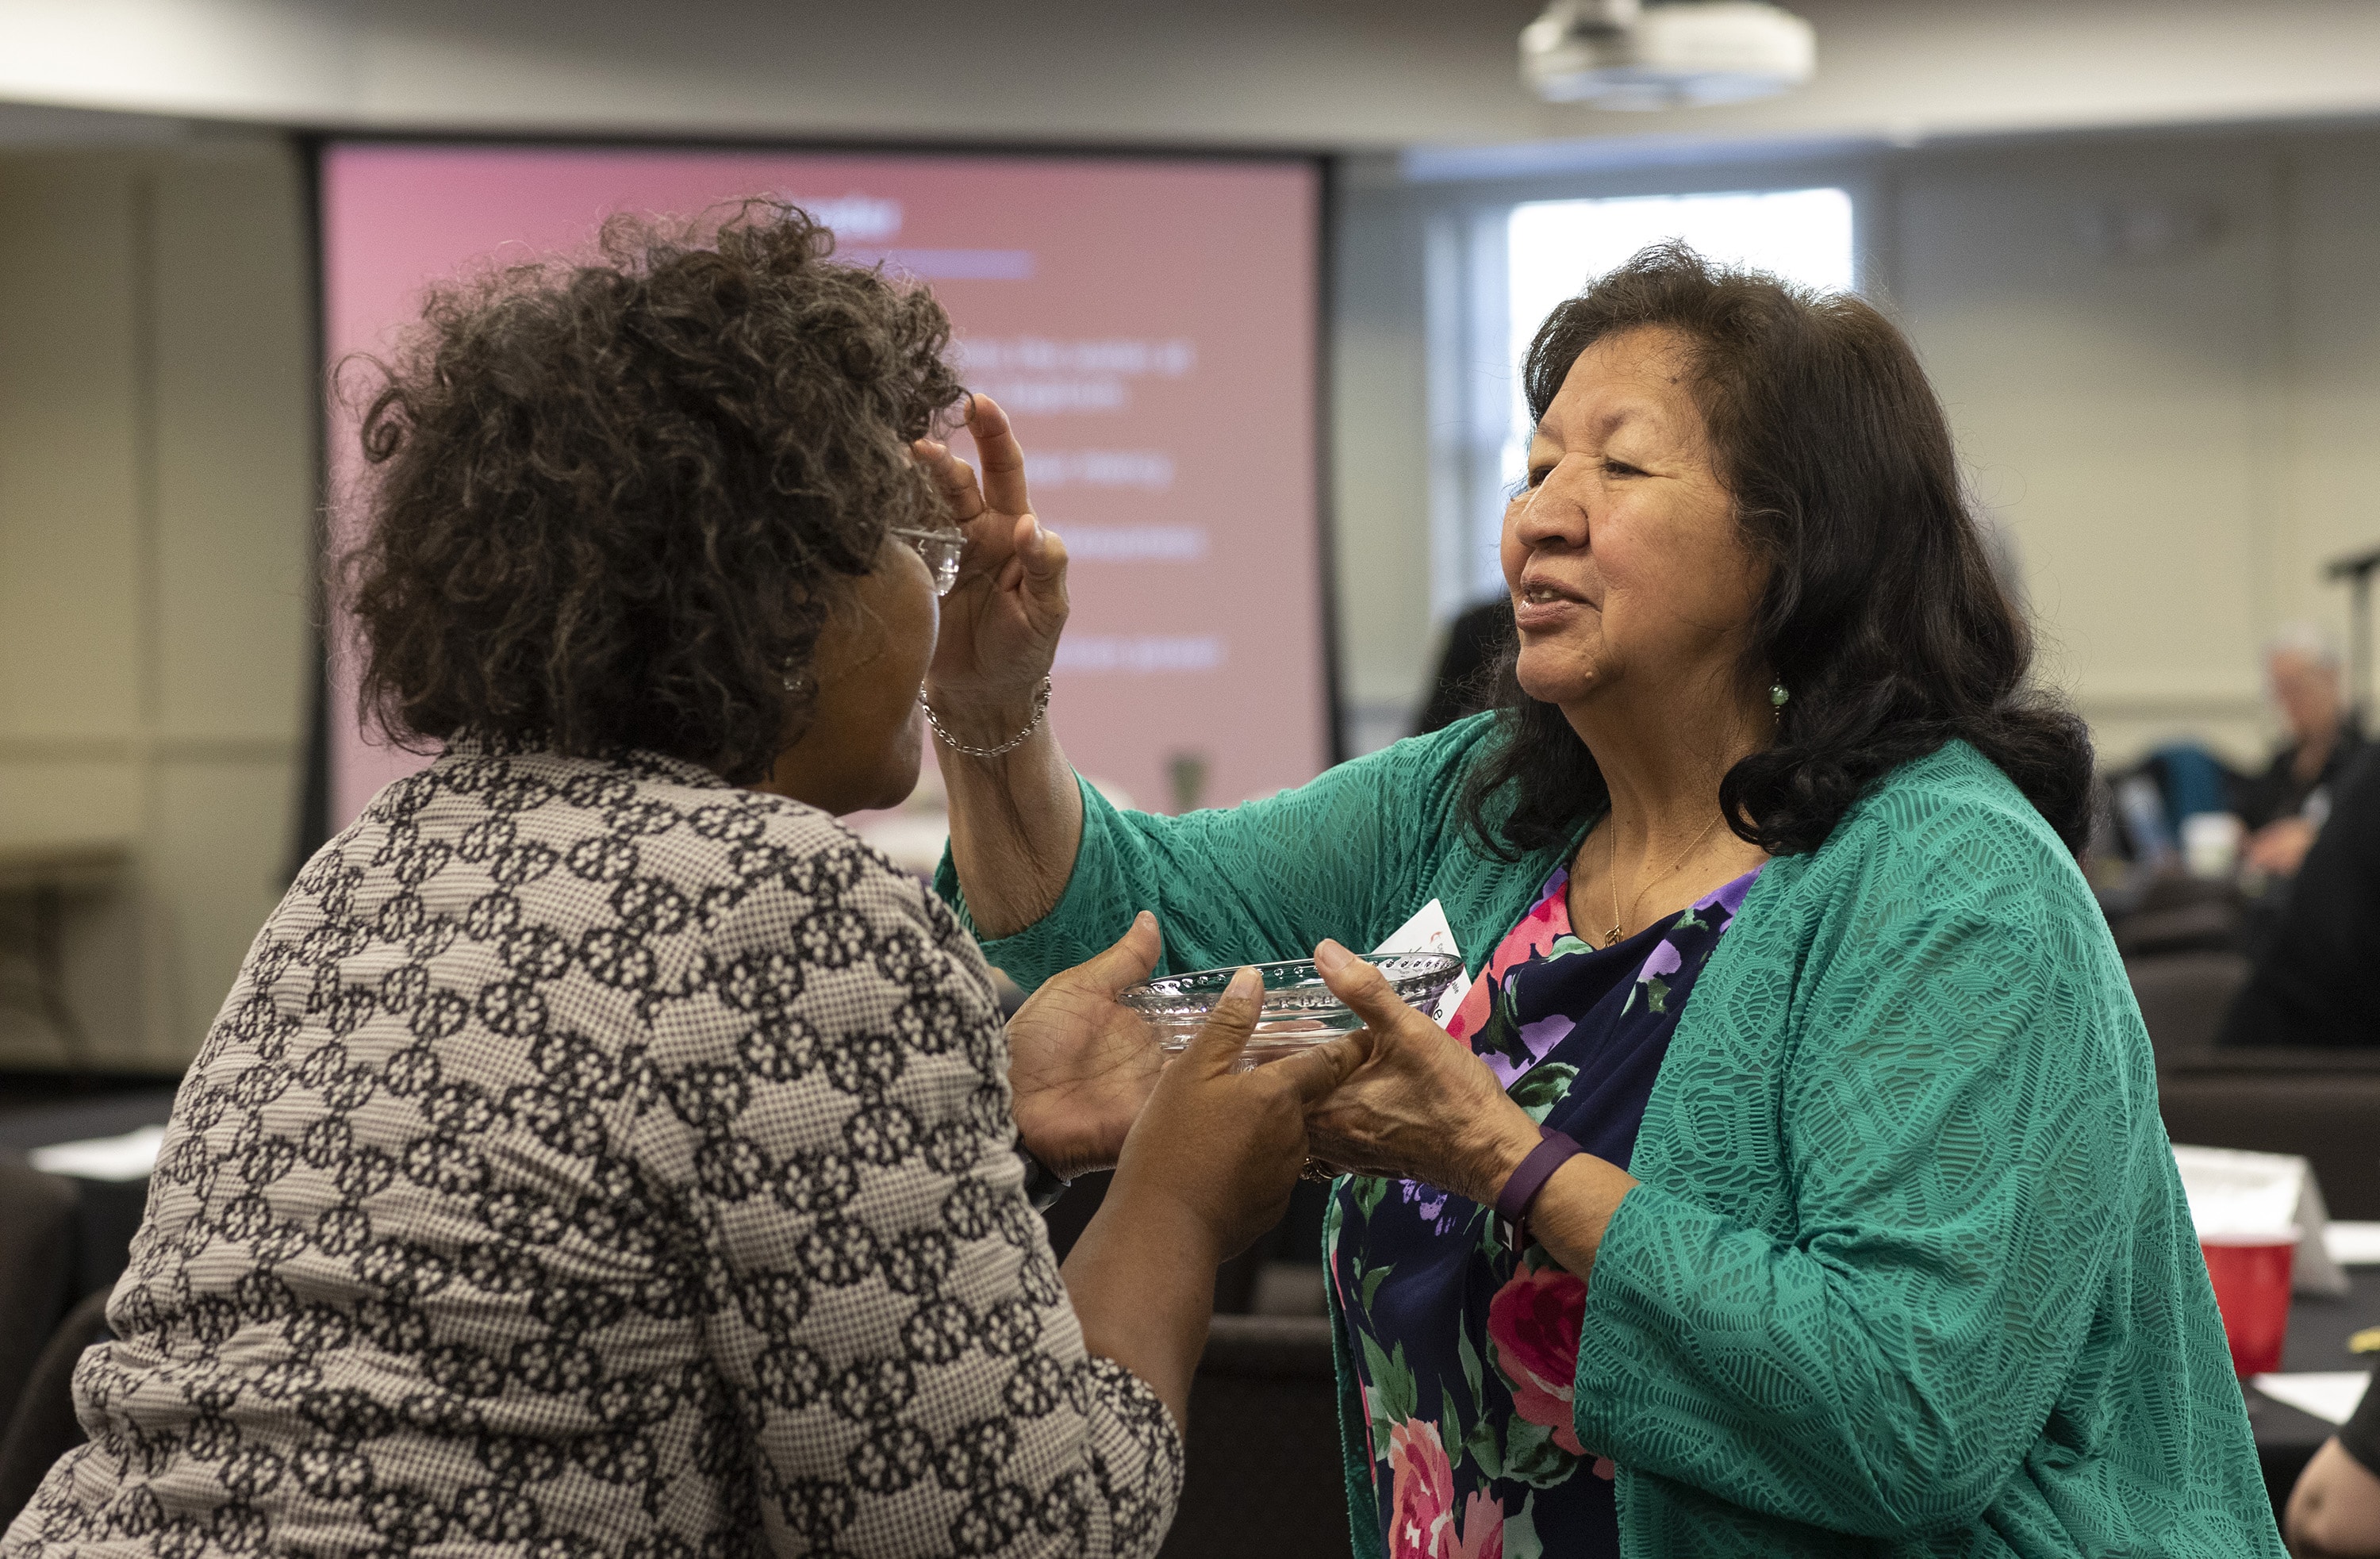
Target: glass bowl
x=1298, y=1011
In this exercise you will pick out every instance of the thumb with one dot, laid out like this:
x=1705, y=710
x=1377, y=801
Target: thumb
x=1215, y=1049
x=1315, y=1073
x=1360, y=984
x=1128, y=960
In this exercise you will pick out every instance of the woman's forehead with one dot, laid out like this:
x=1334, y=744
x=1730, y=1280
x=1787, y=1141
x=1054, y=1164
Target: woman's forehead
x=1636, y=379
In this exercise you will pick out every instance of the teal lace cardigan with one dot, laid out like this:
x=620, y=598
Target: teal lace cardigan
x=1909, y=1262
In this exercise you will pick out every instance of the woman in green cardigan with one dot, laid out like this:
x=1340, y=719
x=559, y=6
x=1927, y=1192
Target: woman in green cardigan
x=1790, y=1181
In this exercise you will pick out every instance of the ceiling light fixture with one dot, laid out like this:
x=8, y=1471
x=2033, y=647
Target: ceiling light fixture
x=1668, y=53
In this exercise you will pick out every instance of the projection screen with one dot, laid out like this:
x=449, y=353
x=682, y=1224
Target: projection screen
x=1151, y=323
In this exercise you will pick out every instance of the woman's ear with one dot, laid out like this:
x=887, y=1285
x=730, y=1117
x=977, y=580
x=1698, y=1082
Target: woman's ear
x=853, y=633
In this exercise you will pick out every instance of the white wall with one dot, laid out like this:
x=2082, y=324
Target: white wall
x=2175, y=440
x=2128, y=421
x=157, y=486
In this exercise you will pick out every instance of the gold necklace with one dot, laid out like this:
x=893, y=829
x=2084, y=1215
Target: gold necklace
x=1611, y=870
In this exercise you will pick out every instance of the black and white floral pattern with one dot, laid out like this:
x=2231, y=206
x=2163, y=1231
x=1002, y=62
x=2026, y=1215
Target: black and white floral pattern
x=596, y=1158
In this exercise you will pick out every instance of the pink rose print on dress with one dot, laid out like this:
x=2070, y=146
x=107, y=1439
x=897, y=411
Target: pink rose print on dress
x=1547, y=922
x=1420, y=1494
x=1483, y=1529
x=1534, y=1321
x=1422, y=1502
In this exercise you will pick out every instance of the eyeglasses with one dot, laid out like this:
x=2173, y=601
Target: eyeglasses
x=940, y=550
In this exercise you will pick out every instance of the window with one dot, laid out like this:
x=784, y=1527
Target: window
x=1498, y=278
x=1552, y=247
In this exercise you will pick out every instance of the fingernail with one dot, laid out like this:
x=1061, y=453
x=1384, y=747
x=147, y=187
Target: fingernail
x=970, y=405
x=1329, y=957
x=1246, y=986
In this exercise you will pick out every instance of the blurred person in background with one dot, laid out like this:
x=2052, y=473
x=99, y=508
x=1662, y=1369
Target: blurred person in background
x=603, y=1151
x=2311, y=980
x=1464, y=683
x=2285, y=806
x=1791, y=1179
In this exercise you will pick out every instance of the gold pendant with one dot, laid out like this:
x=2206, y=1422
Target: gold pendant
x=1612, y=937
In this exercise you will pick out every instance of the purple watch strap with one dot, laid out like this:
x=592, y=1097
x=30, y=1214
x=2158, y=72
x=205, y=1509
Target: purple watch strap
x=1552, y=1150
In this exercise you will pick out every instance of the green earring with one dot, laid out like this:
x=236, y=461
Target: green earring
x=1777, y=697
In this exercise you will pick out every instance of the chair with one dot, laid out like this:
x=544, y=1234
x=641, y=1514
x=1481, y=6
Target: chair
x=2210, y=926
x=43, y=1426
x=2320, y=1104
x=38, y=1251
x=2184, y=995
x=2161, y=893
x=1265, y=1477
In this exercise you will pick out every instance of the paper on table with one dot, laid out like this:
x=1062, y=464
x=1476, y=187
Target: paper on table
x=2330, y=1395
x=2232, y=1192
x=128, y=1157
x=1427, y=932
x=2354, y=1244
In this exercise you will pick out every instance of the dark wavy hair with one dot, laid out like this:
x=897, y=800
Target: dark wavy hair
x=1881, y=619
x=613, y=500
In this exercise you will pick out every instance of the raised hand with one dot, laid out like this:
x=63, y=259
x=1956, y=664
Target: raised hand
x=1080, y=1066
x=1002, y=620
x=1016, y=811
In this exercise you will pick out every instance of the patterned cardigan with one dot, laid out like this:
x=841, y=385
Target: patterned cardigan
x=593, y=1158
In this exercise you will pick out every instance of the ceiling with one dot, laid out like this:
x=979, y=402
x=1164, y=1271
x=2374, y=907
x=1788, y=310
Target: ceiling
x=1319, y=74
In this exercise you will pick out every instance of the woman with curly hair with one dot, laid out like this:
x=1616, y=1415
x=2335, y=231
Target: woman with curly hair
x=603, y=1150
x=1791, y=1180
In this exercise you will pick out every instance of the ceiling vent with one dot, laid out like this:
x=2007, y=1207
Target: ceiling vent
x=1680, y=54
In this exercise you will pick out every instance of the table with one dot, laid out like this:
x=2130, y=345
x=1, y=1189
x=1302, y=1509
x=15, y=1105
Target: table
x=2287, y=1438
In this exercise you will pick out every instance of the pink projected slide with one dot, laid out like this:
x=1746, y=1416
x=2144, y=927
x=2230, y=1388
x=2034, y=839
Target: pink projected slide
x=1150, y=324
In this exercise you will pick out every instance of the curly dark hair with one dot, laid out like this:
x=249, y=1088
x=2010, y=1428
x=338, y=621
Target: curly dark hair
x=613, y=500
x=1882, y=618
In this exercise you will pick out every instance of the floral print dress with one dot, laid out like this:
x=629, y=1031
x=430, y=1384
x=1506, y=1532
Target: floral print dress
x=1465, y=1356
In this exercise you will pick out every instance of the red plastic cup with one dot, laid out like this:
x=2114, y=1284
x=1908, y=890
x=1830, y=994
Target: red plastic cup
x=2251, y=1289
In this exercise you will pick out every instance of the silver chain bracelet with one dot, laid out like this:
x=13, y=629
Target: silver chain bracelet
x=1040, y=708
